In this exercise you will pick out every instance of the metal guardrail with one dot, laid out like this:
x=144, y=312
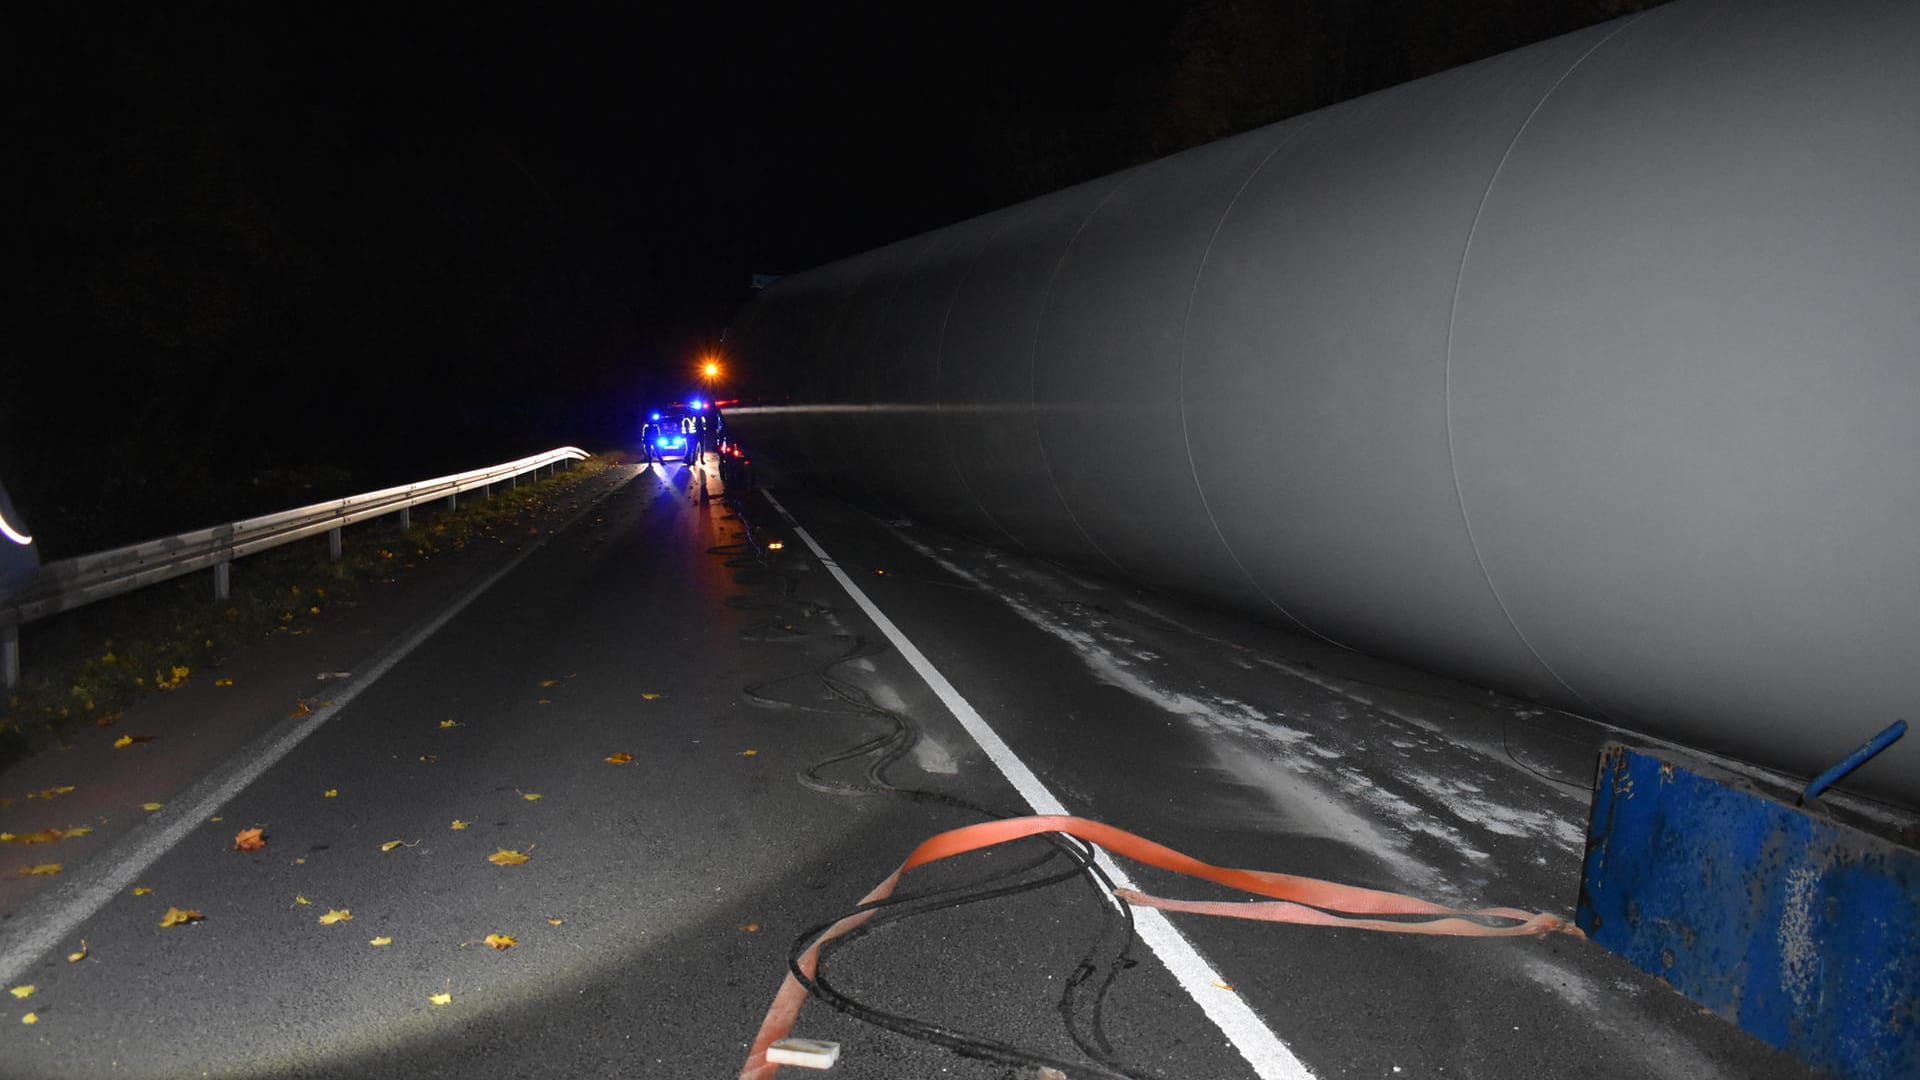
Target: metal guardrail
x=71, y=583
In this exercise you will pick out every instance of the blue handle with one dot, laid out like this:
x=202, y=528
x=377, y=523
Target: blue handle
x=1854, y=760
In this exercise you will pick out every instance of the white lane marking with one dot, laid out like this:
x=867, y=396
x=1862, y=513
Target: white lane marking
x=34, y=934
x=1271, y=1059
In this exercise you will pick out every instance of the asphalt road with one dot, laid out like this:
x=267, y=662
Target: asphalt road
x=660, y=895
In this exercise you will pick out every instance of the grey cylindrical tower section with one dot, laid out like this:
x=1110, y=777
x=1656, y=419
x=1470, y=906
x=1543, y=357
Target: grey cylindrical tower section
x=1588, y=372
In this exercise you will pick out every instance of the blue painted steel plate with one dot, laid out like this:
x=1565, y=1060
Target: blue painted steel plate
x=1803, y=931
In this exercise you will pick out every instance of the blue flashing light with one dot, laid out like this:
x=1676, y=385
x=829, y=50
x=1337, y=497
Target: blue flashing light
x=655, y=416
x=698, y=404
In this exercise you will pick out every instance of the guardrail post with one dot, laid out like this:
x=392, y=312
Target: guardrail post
x=222, y=580
x=513, y=482
x=453, y=501
x=333, y=544
x=10, y=647
x=406, y=518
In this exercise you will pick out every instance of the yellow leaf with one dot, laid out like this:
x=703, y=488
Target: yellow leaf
x=330, y=793
x=123, y=742
x=78, y=830
x=458, y=824
x=249, y=840
x=549, y=682
x=42, y=836
x=504, y=857
x=748, y=753
x=441, y=999
x=651, y=696
x=300, y=709
x=223, y=682
x=381, y=942
x=141, y=890
x=150, y=807
x=751, y=928
x=301, y=900
x=313, y=611
x=449, y=723
x=175, y=917
x=620, y=758
x=545, y=701
x=557, y=922
x=500, y=942
x=531, y=796
x=22, y=991
x=338, y=915
x=180, y=672
x=30, y=1018
x=391, y=844
x=216, y=820
x=42, y=870
x=76, y=957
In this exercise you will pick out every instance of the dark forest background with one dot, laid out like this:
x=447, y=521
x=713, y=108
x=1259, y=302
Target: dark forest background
x=262, y=255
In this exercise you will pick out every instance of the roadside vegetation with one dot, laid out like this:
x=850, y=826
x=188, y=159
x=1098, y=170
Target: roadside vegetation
x=83, y=668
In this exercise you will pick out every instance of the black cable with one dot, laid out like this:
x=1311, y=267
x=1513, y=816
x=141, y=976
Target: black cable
x=748, y=559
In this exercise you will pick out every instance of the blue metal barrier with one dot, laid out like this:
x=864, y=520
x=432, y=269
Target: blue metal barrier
x=1803, y=931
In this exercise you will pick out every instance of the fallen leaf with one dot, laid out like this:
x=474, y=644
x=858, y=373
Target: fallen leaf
x=300, y=709
x=544, y=701
x=391, y=844
x=141, y=890
x=125, y=741
x=22, y=991
x=751, y=928
x=380, y=942
x=223, y=682
x=556, y=922
x=549, y=682
x=42, y=870
x=531, y=796
x=449, y=723
x=42, y=836
x=78, y=830
x=651, y=697
x=500, y=942
x=429, y=757
x=441, y=999
x=301, y=900
x=1224, y=986
x=338, y=915
x=30, y=1018
x=458, y=824
x=330, y=793
x=301, y=861
x=249, y=840
x=620, y=758
x=216, y=820
x=504, y=857
x=150, y=807
x=175, y=917
x=748, y=753
x=76, y=957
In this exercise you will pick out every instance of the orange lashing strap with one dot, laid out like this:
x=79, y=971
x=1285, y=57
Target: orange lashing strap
x=1291, y=899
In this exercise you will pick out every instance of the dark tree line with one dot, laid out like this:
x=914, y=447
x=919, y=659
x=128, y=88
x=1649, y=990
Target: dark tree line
x=263, y=255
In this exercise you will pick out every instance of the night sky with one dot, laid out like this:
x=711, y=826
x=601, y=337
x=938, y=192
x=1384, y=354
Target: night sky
x=264, y=254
